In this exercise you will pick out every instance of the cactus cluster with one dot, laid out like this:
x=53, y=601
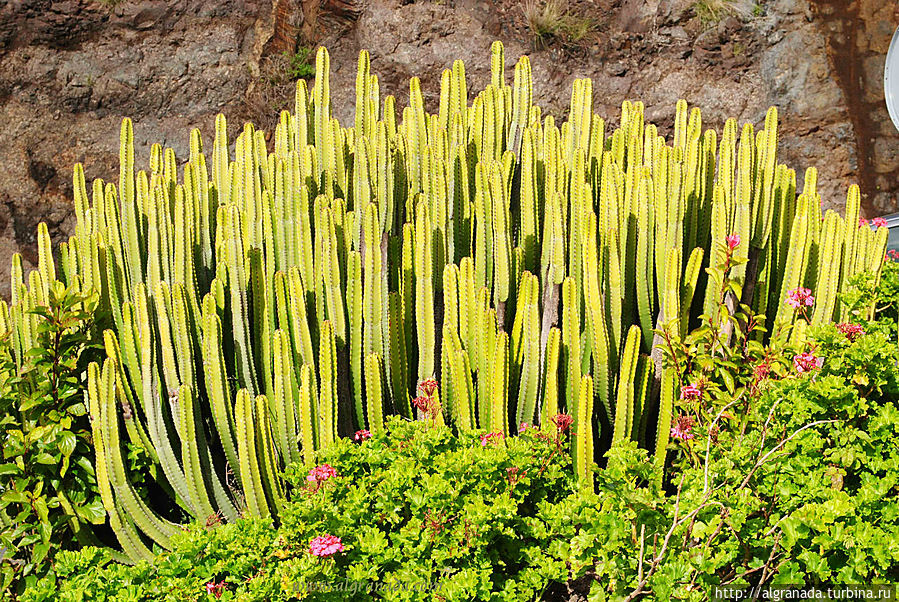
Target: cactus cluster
x=266, y=302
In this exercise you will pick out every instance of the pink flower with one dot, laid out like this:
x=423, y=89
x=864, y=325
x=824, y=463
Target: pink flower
x=215, y=589
x=798, y=297
x=892, y=254
x=422, y=403
x=523, y=428
x=428, y=405
x=362, y=435
x=322, y=473
x=562, y=421
x=761, y=371
x=428, y=386
x=325, y=545
x=879, y=222
x=491, y=438
x=691, y=392
x=862, y=222
x=806, y=362
x=683, y=428
x=733, y=241
x=852, y=331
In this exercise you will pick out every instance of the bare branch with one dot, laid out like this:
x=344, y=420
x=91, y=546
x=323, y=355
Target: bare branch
x=777, y=447
x=708, y=443
x=676, y=522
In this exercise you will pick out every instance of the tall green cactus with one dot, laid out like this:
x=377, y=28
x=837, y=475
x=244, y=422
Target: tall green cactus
x=374, y=390
x=582, y=444
x=666, y=409
x=626, y=395
x=327, y=398
x=519, y=260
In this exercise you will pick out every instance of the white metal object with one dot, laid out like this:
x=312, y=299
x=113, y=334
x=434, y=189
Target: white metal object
x=891, y=80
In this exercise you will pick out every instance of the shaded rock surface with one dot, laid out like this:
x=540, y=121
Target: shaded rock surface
x=70, y=70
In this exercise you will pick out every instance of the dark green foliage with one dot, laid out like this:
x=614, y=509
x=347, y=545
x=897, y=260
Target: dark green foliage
x=48, y=490
x=300, y=64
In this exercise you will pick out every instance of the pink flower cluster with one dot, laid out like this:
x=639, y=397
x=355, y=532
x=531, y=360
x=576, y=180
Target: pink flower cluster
x=325, y=545
x=732, y=240
x=762, y=371
x=362, y=435
x=852, y=331
x=806, y=362
x=892, y=254
x=691, y=393
x=426, y=400
x=491, y=438
x=322, y=473
x=428, y=386
x=800, y=297
x=215, y=589
x=877, y=222
x=683, y=428
x=562, y=421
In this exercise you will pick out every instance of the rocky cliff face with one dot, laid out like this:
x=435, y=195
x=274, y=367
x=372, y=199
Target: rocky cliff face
x=857, y=35
x=70, y=70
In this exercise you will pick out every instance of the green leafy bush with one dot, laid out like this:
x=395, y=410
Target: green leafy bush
x=300, y=64
x=422, y=505
x=785, y=471
x=801, y=490
x=417, y=510
x=48, y=490
x=200, y=555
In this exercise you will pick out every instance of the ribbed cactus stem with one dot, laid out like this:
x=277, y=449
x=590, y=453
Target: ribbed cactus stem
x=192, y=441
x=582, y=437
x=666, y=406
x=374, y=393
x=307, y=414
x=571, y=341
x=316, y=276
x=499, y=388
x=327, y=400
x=624, y=401
x=424, y=294
x=250, y=472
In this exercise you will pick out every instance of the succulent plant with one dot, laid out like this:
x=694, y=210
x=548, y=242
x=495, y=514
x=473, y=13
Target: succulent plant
x=275, y=300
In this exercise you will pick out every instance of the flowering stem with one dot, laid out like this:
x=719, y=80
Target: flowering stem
x=667, y=336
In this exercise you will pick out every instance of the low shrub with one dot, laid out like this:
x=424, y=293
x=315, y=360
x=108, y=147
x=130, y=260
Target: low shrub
x=792, y=481
x=48, y=490
x=550, y=20
x=415, y=512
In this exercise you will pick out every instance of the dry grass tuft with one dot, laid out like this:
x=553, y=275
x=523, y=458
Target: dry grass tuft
x=551, y=20
x=712, y=11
